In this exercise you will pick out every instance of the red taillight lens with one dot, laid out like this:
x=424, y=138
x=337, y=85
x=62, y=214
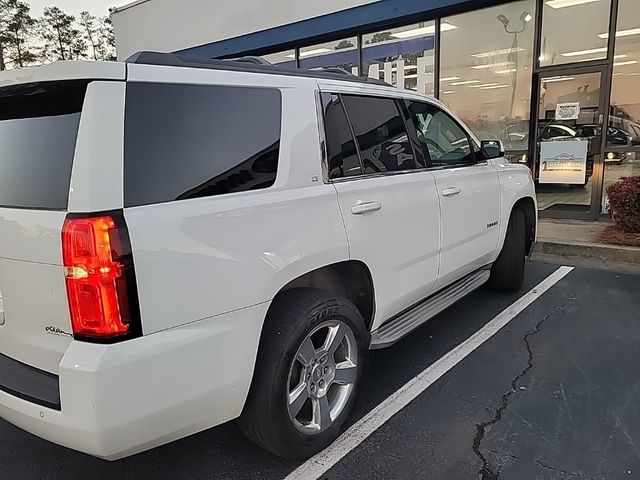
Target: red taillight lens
x=95, y=265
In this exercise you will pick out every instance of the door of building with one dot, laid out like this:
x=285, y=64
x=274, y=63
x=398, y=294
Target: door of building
x=567, y=160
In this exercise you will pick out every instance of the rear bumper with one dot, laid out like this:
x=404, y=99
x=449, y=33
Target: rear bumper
x=28, y=383
x=121, y=399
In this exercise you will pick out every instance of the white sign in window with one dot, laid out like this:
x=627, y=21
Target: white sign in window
x=568, y=111
x=564, y=161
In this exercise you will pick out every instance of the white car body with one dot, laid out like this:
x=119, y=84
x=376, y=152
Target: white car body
x=208, y=268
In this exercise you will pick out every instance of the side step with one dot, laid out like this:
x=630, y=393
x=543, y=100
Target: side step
x=396, y=328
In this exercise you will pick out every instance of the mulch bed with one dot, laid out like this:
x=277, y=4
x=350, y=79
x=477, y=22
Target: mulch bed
x=614, y=236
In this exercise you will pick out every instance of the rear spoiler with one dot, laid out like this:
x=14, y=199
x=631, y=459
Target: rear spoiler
x=64, y=71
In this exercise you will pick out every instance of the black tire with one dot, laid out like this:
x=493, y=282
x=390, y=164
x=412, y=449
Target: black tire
x=293, y=315
x=507, y=272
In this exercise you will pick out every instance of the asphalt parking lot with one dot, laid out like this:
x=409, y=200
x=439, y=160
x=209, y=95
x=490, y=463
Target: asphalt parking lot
x=555, y=394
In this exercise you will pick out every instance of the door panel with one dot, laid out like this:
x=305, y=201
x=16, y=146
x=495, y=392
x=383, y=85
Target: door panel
x=393, y=226
x=391, y=211
x=469, y=193
x=470, y=206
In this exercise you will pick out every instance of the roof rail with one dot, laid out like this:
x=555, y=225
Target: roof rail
x=245, y=64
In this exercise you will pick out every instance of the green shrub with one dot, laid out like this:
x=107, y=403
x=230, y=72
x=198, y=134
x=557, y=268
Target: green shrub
x=624, y=198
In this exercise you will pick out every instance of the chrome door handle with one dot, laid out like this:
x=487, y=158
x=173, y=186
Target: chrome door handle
x=450, y=192
x=362, y=208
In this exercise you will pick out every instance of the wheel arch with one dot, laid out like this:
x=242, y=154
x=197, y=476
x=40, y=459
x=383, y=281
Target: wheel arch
x=350, y=279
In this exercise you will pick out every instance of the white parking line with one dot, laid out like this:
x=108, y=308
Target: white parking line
x=350, y=439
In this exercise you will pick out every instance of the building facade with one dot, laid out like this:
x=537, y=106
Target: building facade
x=557, y=81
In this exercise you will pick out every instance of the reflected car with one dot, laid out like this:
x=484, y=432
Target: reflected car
x=616, y=137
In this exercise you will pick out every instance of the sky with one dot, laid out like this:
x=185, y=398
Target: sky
x=99, y=8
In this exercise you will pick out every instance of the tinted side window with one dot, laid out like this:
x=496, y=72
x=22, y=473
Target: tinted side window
x=190, y=141
x=447, y=142
x=381, y=133
x=38, y=129
x=341, y=147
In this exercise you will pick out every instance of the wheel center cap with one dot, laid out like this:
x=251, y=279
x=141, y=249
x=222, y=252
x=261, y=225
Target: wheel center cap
x=316, y=374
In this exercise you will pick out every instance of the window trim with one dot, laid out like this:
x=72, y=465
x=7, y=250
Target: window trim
x=400, y=103
x=353, y=135
x=326, y=171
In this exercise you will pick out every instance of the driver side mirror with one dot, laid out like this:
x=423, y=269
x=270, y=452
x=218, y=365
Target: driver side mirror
x=491, y=149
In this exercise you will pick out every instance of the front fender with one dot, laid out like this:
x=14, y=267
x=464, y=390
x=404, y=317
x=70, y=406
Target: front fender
x=516, y=184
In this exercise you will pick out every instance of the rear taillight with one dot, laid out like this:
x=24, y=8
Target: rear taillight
x=100, y=277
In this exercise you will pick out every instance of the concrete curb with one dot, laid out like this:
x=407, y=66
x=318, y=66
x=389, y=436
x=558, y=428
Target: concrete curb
x=594, y=251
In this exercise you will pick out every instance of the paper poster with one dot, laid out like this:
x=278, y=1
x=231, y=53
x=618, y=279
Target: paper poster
x=568, y=111
x=563, y=161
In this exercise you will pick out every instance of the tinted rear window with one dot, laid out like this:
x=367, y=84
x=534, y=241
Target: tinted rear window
x=191, y=141
x=38, y=131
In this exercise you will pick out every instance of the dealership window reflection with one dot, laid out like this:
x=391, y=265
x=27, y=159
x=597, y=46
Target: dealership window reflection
x=487, y=81
x=282, y=59
x=574, y=31
x=337, y=54
x=403, y=57
x=622, y=155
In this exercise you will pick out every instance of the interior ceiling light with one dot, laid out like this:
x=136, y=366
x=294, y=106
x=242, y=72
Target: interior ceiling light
x=448, y=79
x=493, y=53
x=629, y=62
x=526, y=17
x=590, y=51
x=567, y=3
x=492, y=87
x=428, y=30
x=591, y=59
x=510, y=70
x=483, y=85
x=466, y=82
x=310, y=53
x=557, y=79
x=622, y=33
x=492, y=65
x=447, y=92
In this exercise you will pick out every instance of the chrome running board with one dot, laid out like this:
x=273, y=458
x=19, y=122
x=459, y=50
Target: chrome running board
x=396, y=328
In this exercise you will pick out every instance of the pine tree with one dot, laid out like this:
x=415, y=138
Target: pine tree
x=62, y=41
x=91, y=32
x=19, y=28
x=107, y=39
x=4, y=18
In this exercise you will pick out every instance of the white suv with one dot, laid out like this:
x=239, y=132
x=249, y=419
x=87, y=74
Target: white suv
x=183, y=243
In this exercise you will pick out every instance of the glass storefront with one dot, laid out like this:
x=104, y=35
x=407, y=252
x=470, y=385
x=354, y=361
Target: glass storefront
x=542, y=76
x=286, y=58
x=337, y=54
x=403, y=57
x=487, y=81
x=574, y=31
x=568, y=144
x=622, y=156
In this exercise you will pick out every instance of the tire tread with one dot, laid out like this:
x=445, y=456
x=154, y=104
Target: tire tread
x=507, y=272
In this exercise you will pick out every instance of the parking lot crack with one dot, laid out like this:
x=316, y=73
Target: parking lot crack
x=559, y=470
x=487, y=472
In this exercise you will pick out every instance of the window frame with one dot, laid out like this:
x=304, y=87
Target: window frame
x=401, y=105
x=475, y=148
x=192, y=194
x=324, y=137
